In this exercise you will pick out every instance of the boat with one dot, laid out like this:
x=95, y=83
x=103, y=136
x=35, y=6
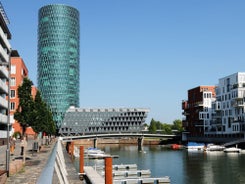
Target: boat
x=194, y=146
x=176, y=146
x=232, y=150
x=92, y=150
x=214, y=147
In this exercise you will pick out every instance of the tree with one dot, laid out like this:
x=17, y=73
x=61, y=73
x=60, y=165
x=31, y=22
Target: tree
x=153, y=126
x=24, y=113
x=166, y=128
x=177, y=125
x=43, y=121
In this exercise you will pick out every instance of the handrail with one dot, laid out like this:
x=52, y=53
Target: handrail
x=47, y=173
x=55, y=162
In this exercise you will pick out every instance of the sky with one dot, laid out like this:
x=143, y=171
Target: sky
x=142, y=53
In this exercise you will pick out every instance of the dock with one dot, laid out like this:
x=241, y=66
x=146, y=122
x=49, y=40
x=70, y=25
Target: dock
x=93, y=176
x=123, y=174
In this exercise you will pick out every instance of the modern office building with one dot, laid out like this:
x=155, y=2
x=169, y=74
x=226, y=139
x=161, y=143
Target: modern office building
x=58, y=58
x=5, y=50
x=198, y=110
x=81, y=121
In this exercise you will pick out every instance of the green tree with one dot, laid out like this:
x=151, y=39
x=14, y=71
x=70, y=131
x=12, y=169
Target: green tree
x=153, y=126
x=166, y=128
x=177, y=125
x=43, y=121
x=24, y=113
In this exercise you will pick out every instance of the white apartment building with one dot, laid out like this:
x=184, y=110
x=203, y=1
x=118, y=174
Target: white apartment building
x=206, y=113
x=5, y=51
x=228, y=109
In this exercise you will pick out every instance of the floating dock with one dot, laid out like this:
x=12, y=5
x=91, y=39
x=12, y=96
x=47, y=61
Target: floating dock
x=123, y=174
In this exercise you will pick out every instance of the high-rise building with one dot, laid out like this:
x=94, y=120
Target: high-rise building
x=5, y=50
x=58, y=58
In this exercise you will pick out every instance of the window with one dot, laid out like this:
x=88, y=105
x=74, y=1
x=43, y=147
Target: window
x=12, y=94
x=13, y=82
x=13, y=69
x=12, y=106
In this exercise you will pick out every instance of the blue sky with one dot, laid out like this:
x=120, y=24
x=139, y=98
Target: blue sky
x=143, y=53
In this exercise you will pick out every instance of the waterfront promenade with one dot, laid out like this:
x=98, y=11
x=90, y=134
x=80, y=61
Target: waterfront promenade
x=34, y=164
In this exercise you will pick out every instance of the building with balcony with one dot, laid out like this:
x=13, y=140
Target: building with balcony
x=81, y=121
x=229, y=116
x=197, y=110
x=5, y=50
x=58, y=58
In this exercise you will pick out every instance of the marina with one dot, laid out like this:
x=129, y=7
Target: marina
x=181, y=166
x=121, y=174
x=126, y=176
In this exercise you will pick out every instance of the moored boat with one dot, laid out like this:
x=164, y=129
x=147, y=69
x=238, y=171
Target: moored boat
x=214, y=147
x=232, y=150
x=91, y=150
x=194, y=146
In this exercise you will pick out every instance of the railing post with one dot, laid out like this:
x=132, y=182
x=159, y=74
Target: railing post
x=108, y=170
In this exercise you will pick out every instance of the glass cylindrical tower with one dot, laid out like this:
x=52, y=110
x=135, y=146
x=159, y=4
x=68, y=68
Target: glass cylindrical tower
x=58, y=58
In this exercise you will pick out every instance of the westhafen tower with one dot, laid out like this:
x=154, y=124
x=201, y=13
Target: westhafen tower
x=58, y=58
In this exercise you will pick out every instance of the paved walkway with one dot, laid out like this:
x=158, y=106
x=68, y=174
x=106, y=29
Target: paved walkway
x=35, y=162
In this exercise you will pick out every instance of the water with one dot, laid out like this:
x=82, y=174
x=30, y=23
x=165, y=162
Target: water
x=183, y=167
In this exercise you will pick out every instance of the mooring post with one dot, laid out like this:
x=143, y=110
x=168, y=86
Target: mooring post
x=81, y=168
x=72, y=150
x=108, y=170
x=95, y=142
x=140, y=143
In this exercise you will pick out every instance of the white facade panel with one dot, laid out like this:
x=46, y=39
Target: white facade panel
x=4, y=86
x=4, y=71
x=5, y=39
x=4, y=54
x=3, y=102
x=3, y=119
x=3, y=134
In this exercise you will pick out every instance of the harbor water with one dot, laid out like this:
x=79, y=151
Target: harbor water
x=182, y=166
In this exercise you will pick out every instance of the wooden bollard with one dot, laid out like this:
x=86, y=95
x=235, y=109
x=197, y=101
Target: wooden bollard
x=81, y=165
x=108, y=170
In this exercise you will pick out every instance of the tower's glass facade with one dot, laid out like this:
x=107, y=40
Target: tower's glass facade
x=58, y=58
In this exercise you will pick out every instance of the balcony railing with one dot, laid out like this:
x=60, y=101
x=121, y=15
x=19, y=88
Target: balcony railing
x=3, y=87
x=3, y=118
x=4, y=54
x=3, y=71
x=4, y=37
x=3, y=102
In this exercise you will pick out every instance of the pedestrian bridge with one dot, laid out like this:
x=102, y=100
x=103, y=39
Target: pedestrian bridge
x=119, y=135
x=139, y=136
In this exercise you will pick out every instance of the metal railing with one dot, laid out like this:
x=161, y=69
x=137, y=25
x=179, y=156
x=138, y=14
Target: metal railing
x=56, y=162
